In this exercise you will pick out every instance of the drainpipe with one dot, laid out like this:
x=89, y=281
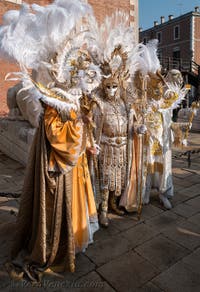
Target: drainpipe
x=192, y=37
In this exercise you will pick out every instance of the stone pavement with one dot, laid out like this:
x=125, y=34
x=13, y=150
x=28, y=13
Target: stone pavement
x=161, y=252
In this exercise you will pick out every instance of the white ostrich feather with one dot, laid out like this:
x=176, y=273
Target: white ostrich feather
x=176, y=89
x=10, y=16
x=65, y=104
x=114, y=31
x=145, y=56
x=34, y=37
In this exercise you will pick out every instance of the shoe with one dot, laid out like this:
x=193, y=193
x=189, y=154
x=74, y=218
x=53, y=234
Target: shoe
x=114, y=207
x=103, y=219
x=165, y=201
x=145, y=200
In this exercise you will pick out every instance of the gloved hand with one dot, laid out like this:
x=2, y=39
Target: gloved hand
x=141, y=129
x=94, y=150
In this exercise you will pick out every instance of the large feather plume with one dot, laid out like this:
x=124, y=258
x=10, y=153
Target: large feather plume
x=34, y=33
x=145, y=59
x=114, y=31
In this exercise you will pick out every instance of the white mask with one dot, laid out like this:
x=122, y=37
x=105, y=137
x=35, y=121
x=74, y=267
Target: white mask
x=111, y=89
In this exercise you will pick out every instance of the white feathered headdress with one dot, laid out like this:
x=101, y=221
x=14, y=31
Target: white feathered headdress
x=50, y=38
x=34, y=33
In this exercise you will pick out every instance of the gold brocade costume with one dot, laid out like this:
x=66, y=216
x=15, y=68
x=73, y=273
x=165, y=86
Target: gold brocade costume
x=57, y=214
x=111, y=136
x=113, y=144
x=151, y=156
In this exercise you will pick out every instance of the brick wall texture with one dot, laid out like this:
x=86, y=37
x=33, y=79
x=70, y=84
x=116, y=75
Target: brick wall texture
x=101, y=9
x=197, y=40
x=107, y=7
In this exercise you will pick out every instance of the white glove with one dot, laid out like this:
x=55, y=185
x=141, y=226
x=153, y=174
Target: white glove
x=184, y=142
x=97, y=148
x=141, y=129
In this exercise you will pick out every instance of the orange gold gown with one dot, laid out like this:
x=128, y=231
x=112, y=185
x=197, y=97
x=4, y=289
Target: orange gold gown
x=57, y=215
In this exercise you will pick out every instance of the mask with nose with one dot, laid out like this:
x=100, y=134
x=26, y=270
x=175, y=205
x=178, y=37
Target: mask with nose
x=111, y=88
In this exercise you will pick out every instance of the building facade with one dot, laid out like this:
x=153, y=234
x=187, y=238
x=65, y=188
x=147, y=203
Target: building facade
x=178, y=44
x=101, y=9
x=179, y=38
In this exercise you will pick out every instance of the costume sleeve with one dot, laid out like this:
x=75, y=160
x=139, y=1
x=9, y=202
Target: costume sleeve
x=65, y=139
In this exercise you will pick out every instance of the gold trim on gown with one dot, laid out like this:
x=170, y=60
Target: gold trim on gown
x=57, y=215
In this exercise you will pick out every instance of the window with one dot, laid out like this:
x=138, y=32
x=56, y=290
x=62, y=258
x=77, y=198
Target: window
x=159, y=37
x=176, y=32
x=145, y=40
x=159, y=54
x=176, y=53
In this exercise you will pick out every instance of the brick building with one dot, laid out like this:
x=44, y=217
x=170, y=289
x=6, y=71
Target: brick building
x=179, y=44
x=101, y=9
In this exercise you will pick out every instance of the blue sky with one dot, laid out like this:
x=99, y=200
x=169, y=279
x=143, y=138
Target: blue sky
x=151, y=10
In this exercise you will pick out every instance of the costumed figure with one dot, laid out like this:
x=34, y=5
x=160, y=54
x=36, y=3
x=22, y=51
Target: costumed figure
x=181, y=129
x=115, y=43
x=112, y=140
x=57, y=215
x=158, y=98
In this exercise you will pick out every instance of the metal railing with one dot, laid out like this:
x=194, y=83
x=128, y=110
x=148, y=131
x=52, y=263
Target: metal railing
x=183, y=65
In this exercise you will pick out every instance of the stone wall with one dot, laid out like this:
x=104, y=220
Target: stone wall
x=16, y=139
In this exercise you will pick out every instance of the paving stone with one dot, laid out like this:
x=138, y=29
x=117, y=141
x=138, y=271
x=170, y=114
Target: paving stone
x=194, y=178
x=104, y=251
x=127, y=272
x=193, y=259
x=11, y=203
x=180, y=278
x=156, y=203
x=178, y=198
x=105, y=233
x=149, y=211
x=91, y=283
x=149, y=287
x=183, y=182
x=192, y=191
x=195, y=202
x=185, y=234
x=161, y=252
x=184, y=210
x=164, y=220
x=178, y=162
x=139, y=234
x=23, y=285
x=83, y=266
x=7, y=236
x=178, y=188
x=7, y=215
x=9, y=208
x=180, y=173
x=195, y=169
x=4, y=278
x=195, y=219
x=123, y=222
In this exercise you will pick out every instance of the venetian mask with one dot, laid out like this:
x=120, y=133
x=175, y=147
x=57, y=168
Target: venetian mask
x=110, y=87
x=155, y=87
